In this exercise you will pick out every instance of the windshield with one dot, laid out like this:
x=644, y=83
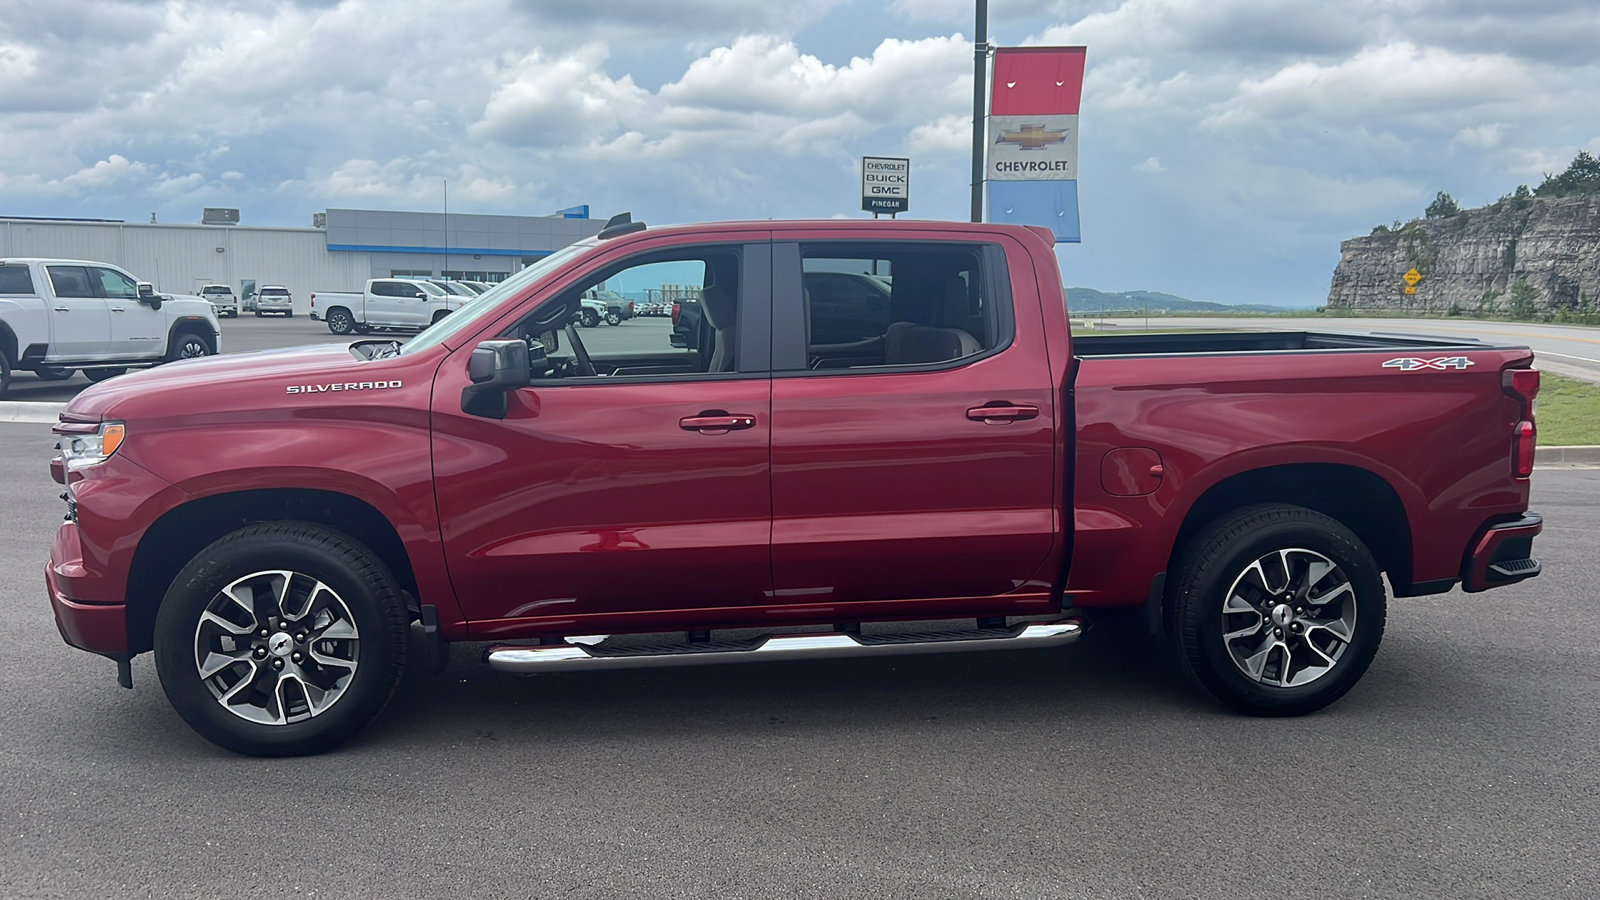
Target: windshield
x=474, y=309
x=431, y=288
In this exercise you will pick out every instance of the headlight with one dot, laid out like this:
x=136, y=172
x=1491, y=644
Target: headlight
x=88, y=444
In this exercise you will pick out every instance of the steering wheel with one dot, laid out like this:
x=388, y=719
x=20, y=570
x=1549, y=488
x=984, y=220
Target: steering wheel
x=580, y=355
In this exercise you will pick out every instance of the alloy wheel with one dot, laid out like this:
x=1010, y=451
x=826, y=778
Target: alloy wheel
x=1289, y=617
x=276, y=647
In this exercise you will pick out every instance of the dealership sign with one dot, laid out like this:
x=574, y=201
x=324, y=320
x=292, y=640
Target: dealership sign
x=1032, y=161
x=885, y=184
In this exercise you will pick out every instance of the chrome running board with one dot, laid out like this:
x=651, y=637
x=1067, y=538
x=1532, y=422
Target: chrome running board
x=585, y=653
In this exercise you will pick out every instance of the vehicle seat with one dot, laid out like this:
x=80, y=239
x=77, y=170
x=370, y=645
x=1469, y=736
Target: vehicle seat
x=718, y=306
x=912, y=342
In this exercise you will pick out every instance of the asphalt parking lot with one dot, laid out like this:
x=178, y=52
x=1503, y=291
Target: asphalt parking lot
x=1464, y=765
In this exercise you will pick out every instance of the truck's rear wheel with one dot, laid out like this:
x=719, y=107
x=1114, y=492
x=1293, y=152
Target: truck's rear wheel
x=340, y=321
x=281, y=639
x=613, y=318
x=1277, y=610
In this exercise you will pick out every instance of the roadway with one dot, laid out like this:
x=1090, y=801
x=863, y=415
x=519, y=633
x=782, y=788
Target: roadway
x=1464, y=765
x=1571, y=350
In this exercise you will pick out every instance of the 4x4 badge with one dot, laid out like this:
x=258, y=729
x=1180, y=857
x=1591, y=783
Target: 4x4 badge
x=1412, y=363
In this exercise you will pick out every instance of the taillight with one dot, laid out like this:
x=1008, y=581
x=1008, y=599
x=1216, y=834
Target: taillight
x=313, y=301
x=1523, y=385
x=676, y=309
x=1524, y=446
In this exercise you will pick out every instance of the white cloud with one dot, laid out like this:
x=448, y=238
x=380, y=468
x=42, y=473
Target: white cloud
x=553, y=102
x=1480, y=137
x=1152, y=165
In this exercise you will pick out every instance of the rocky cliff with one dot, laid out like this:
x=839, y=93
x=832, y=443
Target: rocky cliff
x=1531, y=256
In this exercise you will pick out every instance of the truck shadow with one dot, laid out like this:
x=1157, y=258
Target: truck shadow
x=1103, y=675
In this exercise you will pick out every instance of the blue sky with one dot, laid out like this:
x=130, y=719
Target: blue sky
x=1227, y=146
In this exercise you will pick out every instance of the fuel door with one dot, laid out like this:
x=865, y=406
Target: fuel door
x=1131, y=471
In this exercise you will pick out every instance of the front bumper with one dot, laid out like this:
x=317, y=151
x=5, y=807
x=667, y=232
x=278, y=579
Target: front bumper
x=1503, y=554
x=97, y=627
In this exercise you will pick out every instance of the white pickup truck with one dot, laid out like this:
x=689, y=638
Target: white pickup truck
x=386, y=303
x=61, y=315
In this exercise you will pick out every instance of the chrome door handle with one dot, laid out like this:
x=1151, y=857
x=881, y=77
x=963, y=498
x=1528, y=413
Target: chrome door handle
x=63, y=309
x=717, y=422
x=1000, y=415
x=116, y=309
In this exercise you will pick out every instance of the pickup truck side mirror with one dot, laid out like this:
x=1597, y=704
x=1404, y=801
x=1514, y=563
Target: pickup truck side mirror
x=496, y=368
x=148, y=295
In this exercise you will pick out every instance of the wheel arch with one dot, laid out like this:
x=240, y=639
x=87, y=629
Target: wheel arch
x=199, y=326
x=8, y=344
x=182, y=532
x=1358, y=498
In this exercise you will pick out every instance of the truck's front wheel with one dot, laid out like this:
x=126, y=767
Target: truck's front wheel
x=1277, y=610
x=339, y=321
x=188, y=345
x=281, y=639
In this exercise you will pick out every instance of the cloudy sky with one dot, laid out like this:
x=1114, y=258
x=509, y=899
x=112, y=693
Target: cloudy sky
x=1227, y=146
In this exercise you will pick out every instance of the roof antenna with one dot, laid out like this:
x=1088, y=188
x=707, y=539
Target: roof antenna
x=620, y=224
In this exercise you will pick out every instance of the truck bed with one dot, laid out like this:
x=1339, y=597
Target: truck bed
x=1259, y=342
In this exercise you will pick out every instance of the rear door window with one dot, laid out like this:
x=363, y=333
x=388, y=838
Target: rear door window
x=16, y=280
x=70, y=281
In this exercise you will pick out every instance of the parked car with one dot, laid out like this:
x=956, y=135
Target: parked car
x=286, y=530
x=274, y=298
x=460, y=289
x=222, y=299
x=399, y=303
x=479, y=286
x=617, y=308
x=61, y=315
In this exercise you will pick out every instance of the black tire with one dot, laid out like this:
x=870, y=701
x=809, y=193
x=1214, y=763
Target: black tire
x=5, y=373
x=439, y=315
x=340, y=321
x=366, y=596
x=588, y=318
x=189, y=345
x=53, y=373
x=258, y=313
x=613, y=318
x=1287, y=633
x=99, y=375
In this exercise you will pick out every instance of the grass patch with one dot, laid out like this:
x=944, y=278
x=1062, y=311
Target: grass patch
x=1569, y=411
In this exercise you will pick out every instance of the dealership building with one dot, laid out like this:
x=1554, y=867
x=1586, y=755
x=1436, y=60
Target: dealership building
x=340, y=252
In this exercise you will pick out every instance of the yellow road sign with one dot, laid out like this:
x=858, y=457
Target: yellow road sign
x=1411, y=289
x=1411, y=278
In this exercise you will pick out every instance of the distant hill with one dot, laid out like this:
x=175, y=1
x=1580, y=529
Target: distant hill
x=1086, y=301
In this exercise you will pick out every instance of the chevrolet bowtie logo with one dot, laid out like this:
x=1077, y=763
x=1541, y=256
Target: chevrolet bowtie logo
x=1032, y=137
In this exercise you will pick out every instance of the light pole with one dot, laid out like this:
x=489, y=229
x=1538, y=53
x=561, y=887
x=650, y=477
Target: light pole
x=980, y=69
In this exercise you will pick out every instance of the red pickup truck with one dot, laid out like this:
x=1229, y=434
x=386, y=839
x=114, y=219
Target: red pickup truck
x=921, y=441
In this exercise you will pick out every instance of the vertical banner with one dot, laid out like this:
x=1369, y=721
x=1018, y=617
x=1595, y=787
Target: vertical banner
x=1032, y=165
